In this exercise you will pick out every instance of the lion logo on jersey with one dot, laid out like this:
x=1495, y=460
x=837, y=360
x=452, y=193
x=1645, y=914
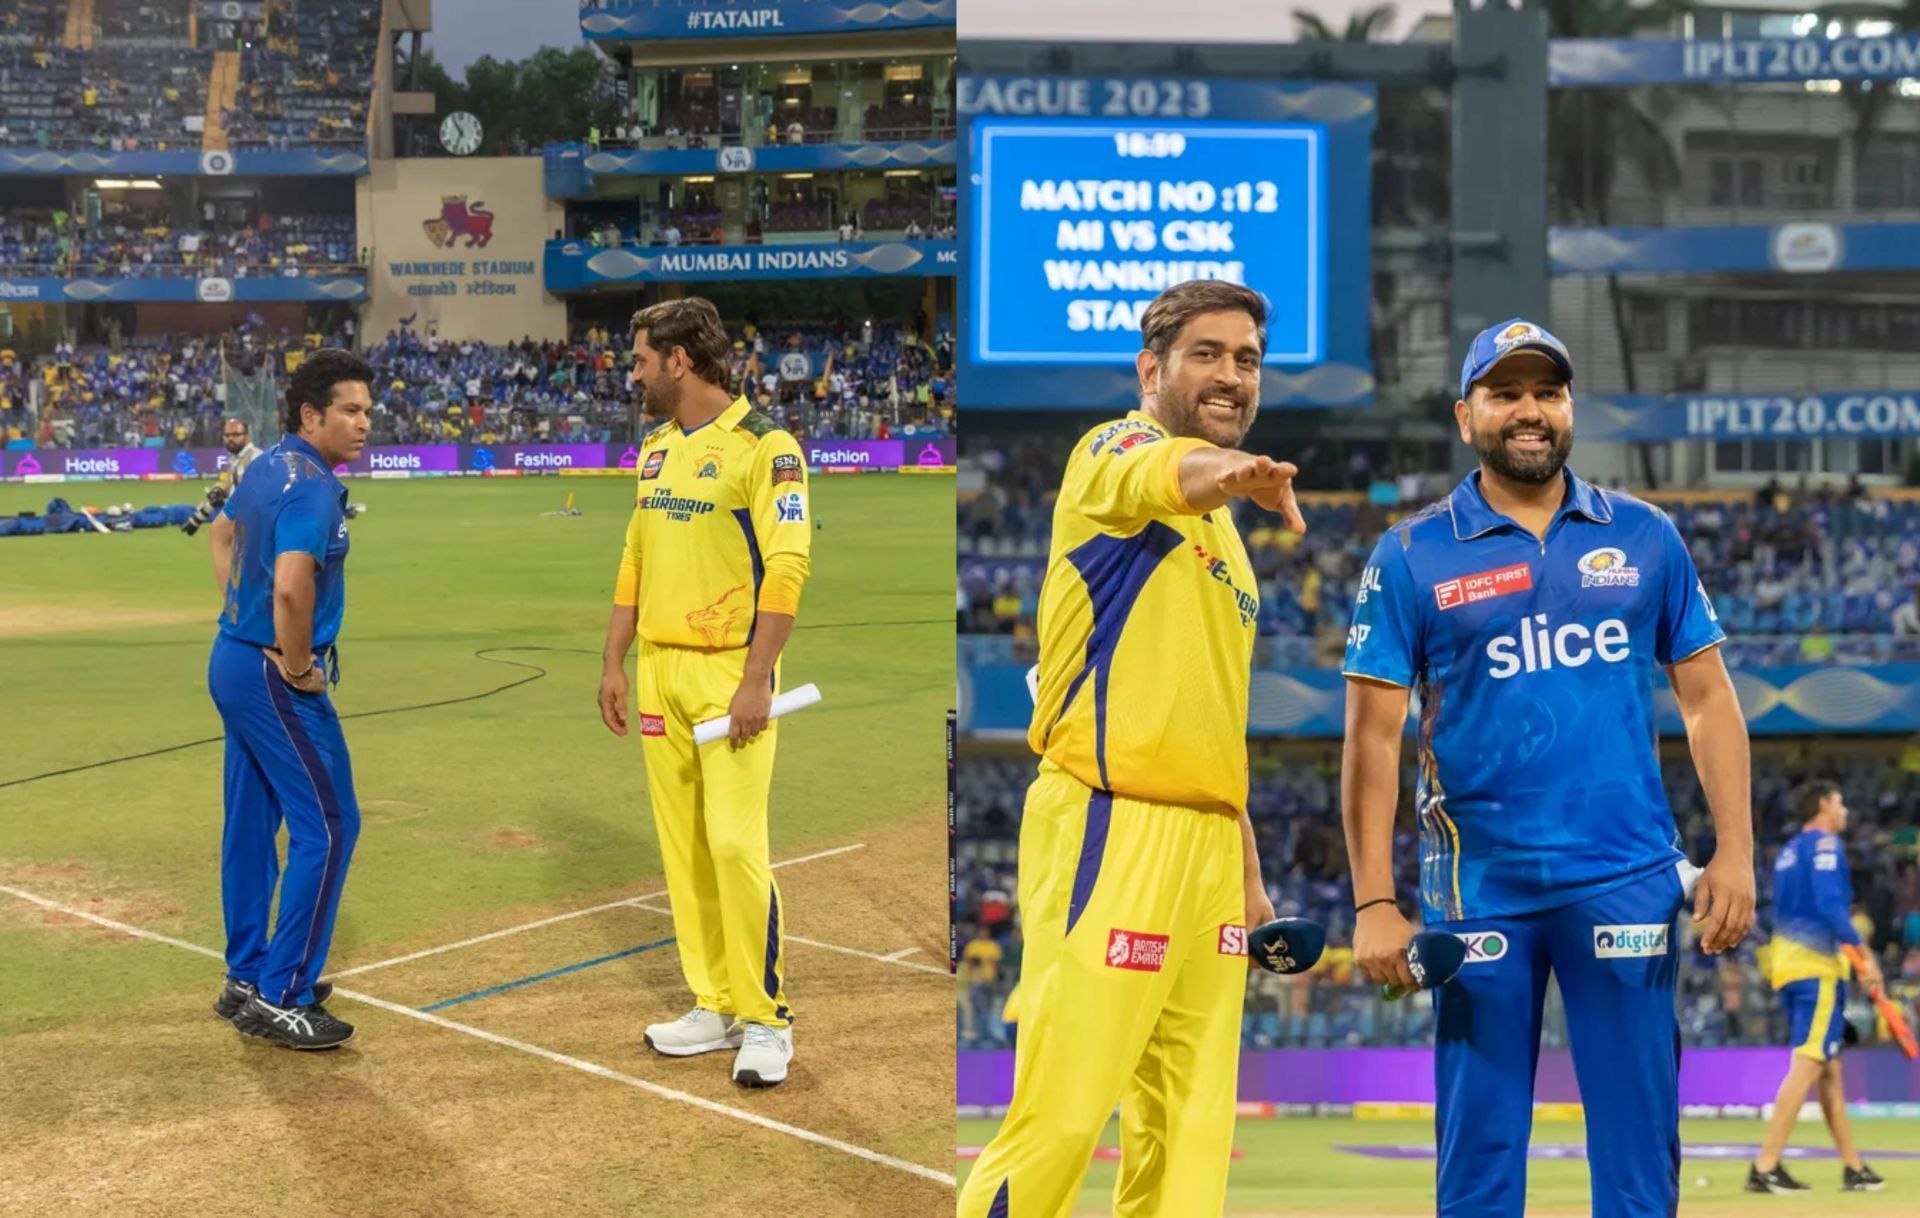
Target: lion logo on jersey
x=1119, y=948
x=716, y=621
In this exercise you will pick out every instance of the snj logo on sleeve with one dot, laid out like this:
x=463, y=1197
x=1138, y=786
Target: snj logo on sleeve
x=1607, y=567
x=1620, y=942
x=1132, y=950
x=1233, y=940
x=1485, y=585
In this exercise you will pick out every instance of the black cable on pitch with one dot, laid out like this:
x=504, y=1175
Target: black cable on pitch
x=484, y=653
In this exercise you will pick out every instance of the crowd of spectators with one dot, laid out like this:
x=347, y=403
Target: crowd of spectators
x=1807, y=574
x=309, y=80
x=845, y=382
x=134, y=244
x=1294, y=802
x=140, y=83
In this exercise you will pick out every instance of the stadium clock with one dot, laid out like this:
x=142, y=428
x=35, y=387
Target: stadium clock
x=460, y=133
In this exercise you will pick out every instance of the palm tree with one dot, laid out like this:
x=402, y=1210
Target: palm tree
x=1868, y=99
x=1591, y=133
x=1361, y=26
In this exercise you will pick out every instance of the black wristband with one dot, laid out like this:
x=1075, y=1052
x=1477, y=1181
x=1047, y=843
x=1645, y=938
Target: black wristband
x=1375, y=901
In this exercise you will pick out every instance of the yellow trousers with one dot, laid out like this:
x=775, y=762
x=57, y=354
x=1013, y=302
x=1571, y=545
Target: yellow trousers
x=1132, y=986
x=710, y=810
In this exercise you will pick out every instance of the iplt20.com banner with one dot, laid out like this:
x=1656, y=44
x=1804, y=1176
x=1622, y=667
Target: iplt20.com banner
x=446, y=460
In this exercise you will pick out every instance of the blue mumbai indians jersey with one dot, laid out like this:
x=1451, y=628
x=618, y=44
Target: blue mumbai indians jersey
x=287, y=501
x=1812, y=909
x=1533, y=666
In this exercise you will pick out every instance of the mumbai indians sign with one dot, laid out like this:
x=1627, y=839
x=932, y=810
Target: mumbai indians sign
x=572, y=265
x=1759, y=416
x=1576, y=62
x=625, y=19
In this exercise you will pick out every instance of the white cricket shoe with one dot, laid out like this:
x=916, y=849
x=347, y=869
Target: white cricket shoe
x=698, y=1031
x=762, y=1060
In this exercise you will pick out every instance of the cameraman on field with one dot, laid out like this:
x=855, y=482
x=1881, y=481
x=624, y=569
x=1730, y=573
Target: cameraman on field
x=240, y=453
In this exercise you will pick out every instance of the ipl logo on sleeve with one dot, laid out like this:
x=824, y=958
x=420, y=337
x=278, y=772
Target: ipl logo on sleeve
x=791, y=508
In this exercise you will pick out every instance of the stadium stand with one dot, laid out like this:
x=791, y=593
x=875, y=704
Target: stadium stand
x=137, y=79
x=169, y=392
x=146, y=245
x=1799, y=573
x=1294, y=806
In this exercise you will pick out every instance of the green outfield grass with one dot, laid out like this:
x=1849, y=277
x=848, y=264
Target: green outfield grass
x=520, y=798
x=1291, y=1167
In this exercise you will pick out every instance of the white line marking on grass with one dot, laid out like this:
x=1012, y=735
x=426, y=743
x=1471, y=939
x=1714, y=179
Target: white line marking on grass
x=665, y=1093
x=902, y=954
x=122, y=927
x=655, y=1089
x=578, y=913
x=832, y=947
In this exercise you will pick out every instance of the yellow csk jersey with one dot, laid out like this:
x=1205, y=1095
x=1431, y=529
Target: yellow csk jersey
x=721, y=530
x=1147, y=620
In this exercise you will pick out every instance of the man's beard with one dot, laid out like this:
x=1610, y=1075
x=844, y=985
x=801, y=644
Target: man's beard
x=1531, y=469
x=1184, y=416
x=663, y=397
x=236, y=447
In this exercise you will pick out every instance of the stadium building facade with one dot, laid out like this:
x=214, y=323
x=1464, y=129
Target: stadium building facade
x=765, y=142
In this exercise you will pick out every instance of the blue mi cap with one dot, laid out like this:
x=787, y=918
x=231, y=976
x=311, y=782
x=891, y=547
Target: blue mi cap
x=1497, y=342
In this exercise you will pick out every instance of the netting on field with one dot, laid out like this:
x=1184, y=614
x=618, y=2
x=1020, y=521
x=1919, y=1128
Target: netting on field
x=252, y=394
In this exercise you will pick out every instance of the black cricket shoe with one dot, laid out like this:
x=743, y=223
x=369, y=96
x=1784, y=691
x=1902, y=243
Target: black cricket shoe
x=308, y=1027
x=1866, y=1180
x=1775, y=1181
x=234, y=995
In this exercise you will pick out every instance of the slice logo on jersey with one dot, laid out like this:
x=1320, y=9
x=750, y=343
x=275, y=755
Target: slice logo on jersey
x=655, y=459
x=791, y=508
x=653, y=725
x=786, y=468
x=1539, y=646
x=1130, y=949
x=1623, y=942
x=1484, y=946
x=1607, y=567
x=1483, y=585
x=708, y=469
x=716, y=621
x=1233, y=940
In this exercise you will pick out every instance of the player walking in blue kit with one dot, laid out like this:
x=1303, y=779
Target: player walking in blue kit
x=286, y=758
x=1530, y=609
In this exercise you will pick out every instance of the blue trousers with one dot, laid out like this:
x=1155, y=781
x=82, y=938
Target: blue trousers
x=286, y=761
x=1614, y=958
